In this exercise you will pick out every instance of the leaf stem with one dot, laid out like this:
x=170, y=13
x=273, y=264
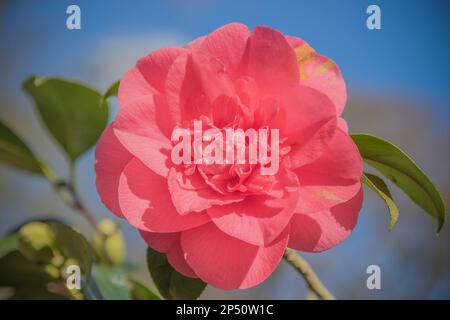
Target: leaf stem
x=67, y=193
x=307, y=272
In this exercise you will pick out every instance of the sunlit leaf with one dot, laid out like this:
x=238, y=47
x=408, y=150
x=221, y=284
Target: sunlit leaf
x=14, y=152
x=397, y=166
x=36, y=242
x=379, y=186
x=169, y=282
x=73, y=113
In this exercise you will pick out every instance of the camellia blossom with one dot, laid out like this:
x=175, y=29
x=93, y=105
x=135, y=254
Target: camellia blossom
x=228, y=224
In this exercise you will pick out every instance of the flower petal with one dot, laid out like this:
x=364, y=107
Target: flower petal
x=333, y=178
x=228, y=263
x=320, y=231
x=308, y=119
x=146, y=202
x=110, y=160
x=137, y=130
x=161, y=242
x=258, y=219
x=154, y=67
x=176, y=258
x=192, y=194
x=271, y=60
x=193, y=83
x=228, y=44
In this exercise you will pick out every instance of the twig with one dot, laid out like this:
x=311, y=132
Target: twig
x=306, y=271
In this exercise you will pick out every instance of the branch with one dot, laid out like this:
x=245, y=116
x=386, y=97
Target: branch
x=306, y=271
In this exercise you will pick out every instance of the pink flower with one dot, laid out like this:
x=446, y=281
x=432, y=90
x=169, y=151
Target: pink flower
x=227, y=223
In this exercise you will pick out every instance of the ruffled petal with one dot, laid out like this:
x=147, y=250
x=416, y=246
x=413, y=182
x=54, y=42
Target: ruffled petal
x=192, y=194
x=259, y=219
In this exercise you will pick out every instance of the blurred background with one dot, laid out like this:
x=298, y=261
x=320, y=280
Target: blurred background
x=398, y=81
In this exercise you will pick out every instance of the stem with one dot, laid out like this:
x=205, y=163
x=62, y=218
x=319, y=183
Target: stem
x=307, y=272
x=68, y=194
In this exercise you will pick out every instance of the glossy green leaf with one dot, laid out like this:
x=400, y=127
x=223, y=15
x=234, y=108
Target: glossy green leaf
x=379, y=186
x=14, y=152
x=73, y=113
x=397, y=166
x=141, y=292
x=169, y=282
x=107, y=283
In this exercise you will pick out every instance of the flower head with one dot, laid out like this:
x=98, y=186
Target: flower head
x=216, y=213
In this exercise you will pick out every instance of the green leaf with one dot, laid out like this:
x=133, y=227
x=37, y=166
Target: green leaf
x=141, y=292
x=379, y=186
x=169, y=282
x=36, y=242
x=112, y=90
x=73, y=246
x=73, y=113
x=397, y=166
x=18, y=271
x=14, y=152
x=107, y=283
x=9, y=243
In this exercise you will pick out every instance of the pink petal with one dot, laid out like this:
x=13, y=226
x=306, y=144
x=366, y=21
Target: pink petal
x=192, y=194
x=228, y=44
x=308, y=119
x=146, y=202
x=193, y=83
x=176, y=258
x=342, y=124
x=195, y=44
x=295, y=42
x=228, y=263
x=258, y=220
x=320, y=231
x=154, y=67
x=271, y=60
x=110, y=160
x=132, y=86
x=333, y=178
x=161, y=242
x=169, y=243
x=323, y=74
x=320, y=72
x=137, y=130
